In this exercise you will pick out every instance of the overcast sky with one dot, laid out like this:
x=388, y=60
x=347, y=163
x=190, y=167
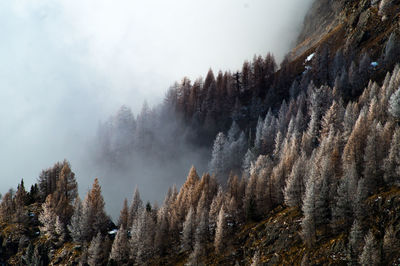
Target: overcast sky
x=66, y=64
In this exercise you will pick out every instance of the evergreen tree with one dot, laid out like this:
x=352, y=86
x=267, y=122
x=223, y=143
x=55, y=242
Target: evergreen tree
x=65, y=193
x=355, y=242
x=346, y=191
x=94, y=218
x=394, y=104
x=135, y=207
x=188, y=231
x=308, y=223
x=217, y=163
x=119, y=250
x=295, y=188
x=95, y=251
x=48, y=219
x=370, y=253
x=390, y=242
x=220, y=233
x=124, y=214
x=75, y=226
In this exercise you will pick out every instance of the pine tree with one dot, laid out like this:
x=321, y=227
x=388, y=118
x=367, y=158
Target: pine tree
x=392, y=170
x=370, y=253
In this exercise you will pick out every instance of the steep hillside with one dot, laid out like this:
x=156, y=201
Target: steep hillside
x=307, y=174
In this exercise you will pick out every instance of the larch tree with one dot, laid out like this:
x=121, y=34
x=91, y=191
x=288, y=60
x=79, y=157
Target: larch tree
x=135, y=207
x=249, y=157
x=346, y=191
x=48, y=219
x=161, y=236
x=94, y=218
x=373, y=159
x=120, y=250
x=390, y=242
x=295, y=187
x=308, y=223
x=65, y=193
x=370, y=252
x=217, y=163
x=187, y=240
x=394, y=104
x=95, y=251
x=75, y=226
x=355, y=242
x=221, y=231
x=124, y=215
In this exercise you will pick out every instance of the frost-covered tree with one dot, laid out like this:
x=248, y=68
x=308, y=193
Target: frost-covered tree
x=392, y=52
x=48, y=219
x=142, y=237
x=355, y=242
x=295, y=188
x=370, y=253
x=373, y=159
x=95, y=251
x=75, y=226
x=162, y=231
x=390, y=242
x=346, y=191
x=249, y=157
x=255, y=261
x=308, y=223
x=60, y=232
x=220, y=232
x=135, y=207
x=187, y=240
x=217, y=165
x=394, y=104
x=94, y=218
x=120, y=250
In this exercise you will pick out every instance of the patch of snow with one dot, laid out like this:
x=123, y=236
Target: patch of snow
x=113, y=232
x=310, y=57
x=374, y=64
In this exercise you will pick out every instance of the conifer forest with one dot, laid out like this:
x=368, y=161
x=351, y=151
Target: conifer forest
x=294, y=161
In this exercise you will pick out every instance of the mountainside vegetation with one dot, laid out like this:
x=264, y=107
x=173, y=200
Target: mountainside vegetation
x=304, y=163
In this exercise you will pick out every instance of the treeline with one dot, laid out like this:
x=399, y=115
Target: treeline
x=197, y=111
